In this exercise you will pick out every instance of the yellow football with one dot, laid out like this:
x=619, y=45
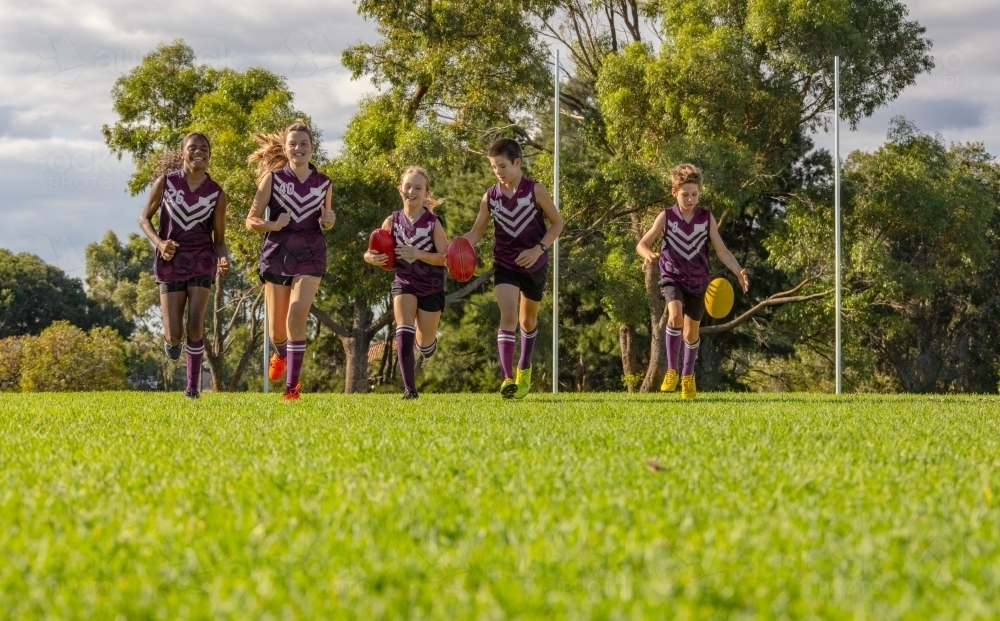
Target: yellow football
x=719, y=298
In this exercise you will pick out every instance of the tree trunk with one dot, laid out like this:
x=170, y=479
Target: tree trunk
x=215, y=347
x=256, y=332
x=658, y=327
x=356, y=347
x=630, y=361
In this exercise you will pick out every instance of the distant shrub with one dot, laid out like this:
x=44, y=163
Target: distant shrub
x=65, y=358
x=10, y=363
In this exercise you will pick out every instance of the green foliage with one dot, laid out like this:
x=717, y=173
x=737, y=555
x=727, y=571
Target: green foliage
x=466, y=62
x=920, y=256
x=33, y=294
x=65, y=358
x=10, y=363
x=121, y=274
x=153, y=103
x=467, y=507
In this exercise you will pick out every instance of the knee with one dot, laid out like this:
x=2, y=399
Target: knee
x=675, y=318
x=691, y=334
x=196, y=331
x=528, y=324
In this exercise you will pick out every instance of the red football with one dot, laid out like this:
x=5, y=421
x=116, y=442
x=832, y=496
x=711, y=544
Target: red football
x=381, y=242
x=461, y=259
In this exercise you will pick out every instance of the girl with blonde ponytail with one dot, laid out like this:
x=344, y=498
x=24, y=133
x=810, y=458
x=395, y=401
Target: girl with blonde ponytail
x=299, y=203
x=418, y=286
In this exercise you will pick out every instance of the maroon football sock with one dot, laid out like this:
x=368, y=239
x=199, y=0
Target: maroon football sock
x=527, y=348
x=296, y=354
x=194, y=352
x=673, y=347
x=505, y=344
x=405, y=336
x=690, y=356
x=281, y=348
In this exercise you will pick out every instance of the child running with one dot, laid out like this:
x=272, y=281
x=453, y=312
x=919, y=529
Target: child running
x=519, y=207
x=293, y=259
x=190, y=247
x=684, y=271
x=418, y=287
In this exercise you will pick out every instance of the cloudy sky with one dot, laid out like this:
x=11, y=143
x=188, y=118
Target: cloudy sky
x=59, y=59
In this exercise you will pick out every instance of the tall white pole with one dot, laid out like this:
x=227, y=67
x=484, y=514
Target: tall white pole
x=267, y=335
x=836, y=212
x=555, y=244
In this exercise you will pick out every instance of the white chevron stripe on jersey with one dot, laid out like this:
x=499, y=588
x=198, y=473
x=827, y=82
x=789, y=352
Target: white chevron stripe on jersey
x=695, y=230
x=421, y=238
x=188, y=216
x=522, y=204
x=513, y=222
x=695, y=243
x=299, y=207
x=685, y=253
x=296, y=211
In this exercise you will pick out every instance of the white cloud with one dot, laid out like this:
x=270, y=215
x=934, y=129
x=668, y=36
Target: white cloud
x=59, y=60
x=960, y=98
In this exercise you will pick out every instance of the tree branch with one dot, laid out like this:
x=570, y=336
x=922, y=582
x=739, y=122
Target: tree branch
x=328, y=321
x=775, y=300
x=465, y=291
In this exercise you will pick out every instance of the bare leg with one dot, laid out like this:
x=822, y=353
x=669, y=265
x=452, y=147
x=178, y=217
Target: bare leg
x=197, y=307
x=172, y=307
x=277, y=298
x=303, y=292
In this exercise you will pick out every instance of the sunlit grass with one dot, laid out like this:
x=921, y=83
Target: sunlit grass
x=462, y=506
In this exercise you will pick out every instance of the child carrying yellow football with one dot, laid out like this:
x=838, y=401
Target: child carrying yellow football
x=684, y=271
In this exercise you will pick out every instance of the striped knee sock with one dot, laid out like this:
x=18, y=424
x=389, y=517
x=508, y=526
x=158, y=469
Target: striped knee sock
x=527, y=348
x=428, y=351
x=194, y=352
x=281, y=348
x=505, y=345
x=673, y=347
x=296, y=354
x=690, y=355
x=405, y=336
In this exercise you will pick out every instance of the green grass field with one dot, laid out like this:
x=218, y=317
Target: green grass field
x=145, y=506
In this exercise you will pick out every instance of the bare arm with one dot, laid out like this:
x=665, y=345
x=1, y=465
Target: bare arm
x=169, y=247
x=644, y=246
x=255, y=219
x=727, y=257
x=549, y=209
x=219, y=233
x=479, y=226
x=530, y=256
x=328, y=217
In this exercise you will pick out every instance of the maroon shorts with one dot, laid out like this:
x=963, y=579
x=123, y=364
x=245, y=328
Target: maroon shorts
x=694, y=305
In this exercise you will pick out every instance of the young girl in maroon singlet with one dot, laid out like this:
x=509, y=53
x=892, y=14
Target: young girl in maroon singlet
x=190, y=247
x=292, y=263
x=418, y=286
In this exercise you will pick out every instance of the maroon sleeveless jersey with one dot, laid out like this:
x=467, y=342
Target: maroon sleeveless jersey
x=684, y=254
x=299, y=249
x=186, y=217
x=518, y=224
x=417, y=278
